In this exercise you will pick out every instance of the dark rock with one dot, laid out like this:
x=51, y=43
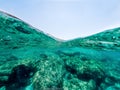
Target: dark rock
x=19, y=28
x=21, y=76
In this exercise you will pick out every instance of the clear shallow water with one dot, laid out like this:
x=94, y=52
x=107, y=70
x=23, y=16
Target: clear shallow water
x=109, y=62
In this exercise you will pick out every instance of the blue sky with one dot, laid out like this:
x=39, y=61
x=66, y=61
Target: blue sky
x=66, y=19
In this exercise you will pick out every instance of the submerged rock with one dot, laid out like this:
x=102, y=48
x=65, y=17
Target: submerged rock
x=20, y=77
x=32, y=60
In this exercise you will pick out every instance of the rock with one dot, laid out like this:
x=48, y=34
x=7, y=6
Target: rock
x=112, y=88
x=20, y=77
x=86, y=70
x=76, y=84
x=50, y=72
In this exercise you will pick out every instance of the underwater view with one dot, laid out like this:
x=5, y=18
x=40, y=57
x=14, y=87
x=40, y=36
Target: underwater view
x=33, y=60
